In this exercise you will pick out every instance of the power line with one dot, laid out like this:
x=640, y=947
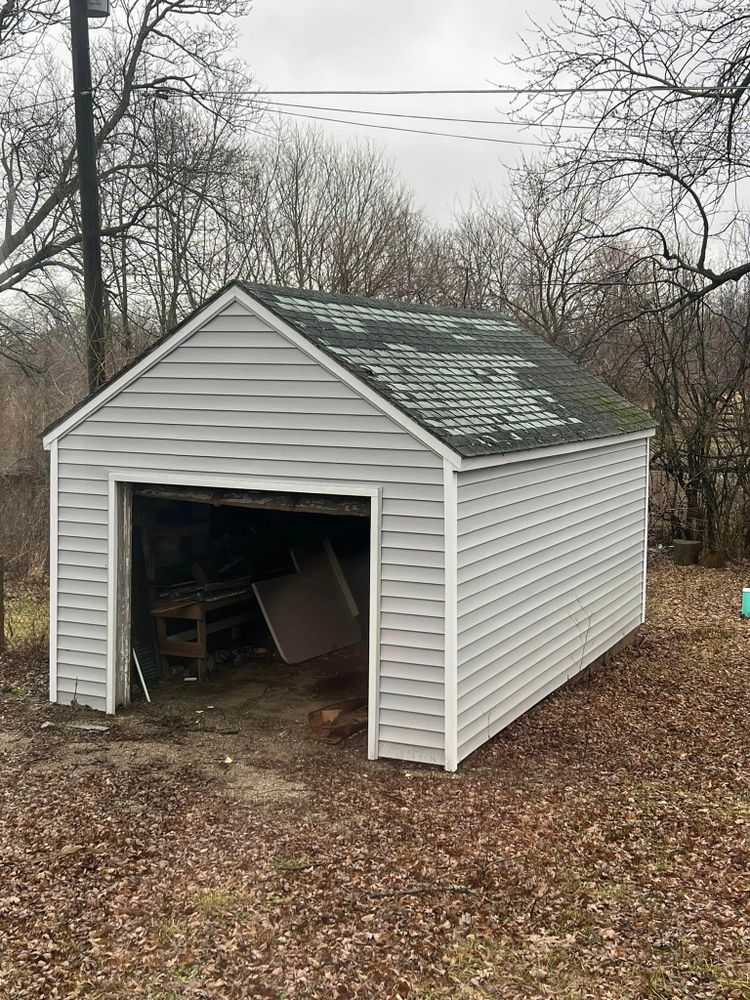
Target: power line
x=63, y=102
x=430, y=118
x=256, y=98
x=687, y=91
x=515, y=123
x=419, y=131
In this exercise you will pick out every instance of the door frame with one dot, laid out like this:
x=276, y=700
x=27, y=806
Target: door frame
x=119, y=541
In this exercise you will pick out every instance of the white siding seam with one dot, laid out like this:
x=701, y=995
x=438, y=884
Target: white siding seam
x=470, y=616
x=517, y=660
x=450, y=500
x=53, y=569
x=617, y=628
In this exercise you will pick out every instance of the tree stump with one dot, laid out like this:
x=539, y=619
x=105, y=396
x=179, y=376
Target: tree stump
x=713, y=560
x=685, y=552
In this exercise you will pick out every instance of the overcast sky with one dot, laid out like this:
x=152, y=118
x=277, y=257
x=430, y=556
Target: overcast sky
x=401, y=44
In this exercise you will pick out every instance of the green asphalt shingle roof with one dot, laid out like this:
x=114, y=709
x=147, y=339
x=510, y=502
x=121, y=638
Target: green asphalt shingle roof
x=479, y=382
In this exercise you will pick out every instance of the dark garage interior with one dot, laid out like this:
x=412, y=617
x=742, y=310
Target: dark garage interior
x=256, y=598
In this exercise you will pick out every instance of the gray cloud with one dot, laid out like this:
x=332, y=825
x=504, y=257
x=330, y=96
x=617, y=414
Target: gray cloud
x=338, y=44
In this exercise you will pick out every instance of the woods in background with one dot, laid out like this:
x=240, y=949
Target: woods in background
x=622, y=246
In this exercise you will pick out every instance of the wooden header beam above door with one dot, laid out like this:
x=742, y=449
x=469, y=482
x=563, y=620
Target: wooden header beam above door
x=304, y=503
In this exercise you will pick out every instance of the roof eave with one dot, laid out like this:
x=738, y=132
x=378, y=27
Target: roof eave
x=550, y=451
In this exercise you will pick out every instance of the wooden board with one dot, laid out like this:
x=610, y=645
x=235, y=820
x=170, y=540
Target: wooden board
x=143, y=633
x=308, y=555
x=339, y=721
x=307, y=612
x=303, y=502
x=356, y=569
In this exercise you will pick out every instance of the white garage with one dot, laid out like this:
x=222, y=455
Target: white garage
x=495, y=493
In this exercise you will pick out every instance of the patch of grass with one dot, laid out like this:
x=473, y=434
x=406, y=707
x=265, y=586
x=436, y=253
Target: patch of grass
x=14, y=692
x=677, y=973
x=171, y=933
x=186, y=972
x=482, y=968
x=273, y=901
x=26, y=621
x=217, y=902
x=290, y=865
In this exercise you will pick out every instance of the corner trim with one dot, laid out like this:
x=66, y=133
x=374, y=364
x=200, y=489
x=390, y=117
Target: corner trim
x=647, y=489
x=450, y=515
x=53, y=569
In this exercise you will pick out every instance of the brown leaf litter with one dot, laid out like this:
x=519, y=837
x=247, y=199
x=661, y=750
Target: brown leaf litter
x=598, y=848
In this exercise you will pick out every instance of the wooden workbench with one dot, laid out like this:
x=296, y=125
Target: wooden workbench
x=196, y=610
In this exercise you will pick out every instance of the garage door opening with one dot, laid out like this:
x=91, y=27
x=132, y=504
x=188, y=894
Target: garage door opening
x=251, y=602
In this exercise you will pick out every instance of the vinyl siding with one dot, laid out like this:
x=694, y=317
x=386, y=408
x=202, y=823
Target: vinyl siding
x=238, y=398
x=550, y=576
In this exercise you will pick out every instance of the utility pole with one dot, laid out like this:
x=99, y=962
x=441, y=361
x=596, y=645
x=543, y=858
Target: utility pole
x=91, y=251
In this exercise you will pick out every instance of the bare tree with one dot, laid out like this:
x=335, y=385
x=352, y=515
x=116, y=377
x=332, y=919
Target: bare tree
x=151, y=50
x=329, y=217
x=540, y=255
x=174, y=205
x=697, y=368
x=22, y=19
x=652, y=104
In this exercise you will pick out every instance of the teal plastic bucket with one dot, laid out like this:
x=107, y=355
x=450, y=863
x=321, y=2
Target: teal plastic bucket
x=746, y=602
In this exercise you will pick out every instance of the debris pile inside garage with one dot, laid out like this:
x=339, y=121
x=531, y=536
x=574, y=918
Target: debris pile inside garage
x=225, y=577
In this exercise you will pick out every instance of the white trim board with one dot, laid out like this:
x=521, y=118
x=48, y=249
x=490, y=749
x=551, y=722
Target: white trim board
x=374, y=492
x=450, y=520
x=53, y=570
x=646, y=499
x=113, y=529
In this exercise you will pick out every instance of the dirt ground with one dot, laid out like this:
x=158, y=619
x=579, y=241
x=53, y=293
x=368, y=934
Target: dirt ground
x=598, y=848
x=247, y=690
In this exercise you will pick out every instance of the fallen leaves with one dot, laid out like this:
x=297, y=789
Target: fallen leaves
x=597, y=848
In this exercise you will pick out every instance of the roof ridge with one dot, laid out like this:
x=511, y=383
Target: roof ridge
x=345, y=299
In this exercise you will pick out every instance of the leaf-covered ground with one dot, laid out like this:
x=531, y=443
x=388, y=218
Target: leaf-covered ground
x=598, y=848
